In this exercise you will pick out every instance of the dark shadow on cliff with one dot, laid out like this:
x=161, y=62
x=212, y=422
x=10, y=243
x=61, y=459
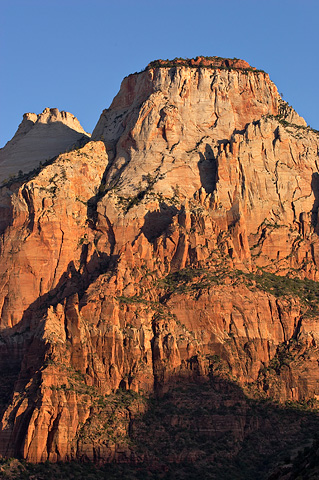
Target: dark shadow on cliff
x=208, y=170
x=211, y=429
x=201, y=428
x=157, y=222
x=315, y=207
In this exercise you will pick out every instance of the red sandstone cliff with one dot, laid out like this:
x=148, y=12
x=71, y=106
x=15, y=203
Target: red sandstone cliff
x=155, y=253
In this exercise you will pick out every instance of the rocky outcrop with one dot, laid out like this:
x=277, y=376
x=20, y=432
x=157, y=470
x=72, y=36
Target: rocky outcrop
x=38, y=139
x=156, y=255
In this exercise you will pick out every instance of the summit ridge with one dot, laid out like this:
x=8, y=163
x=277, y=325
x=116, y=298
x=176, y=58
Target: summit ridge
x=203, y=61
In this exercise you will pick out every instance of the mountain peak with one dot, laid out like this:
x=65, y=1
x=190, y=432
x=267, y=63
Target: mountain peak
x=179, y=102
x=162, y=258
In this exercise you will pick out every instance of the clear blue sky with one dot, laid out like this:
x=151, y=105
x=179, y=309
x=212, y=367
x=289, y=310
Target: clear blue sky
x=73, y=54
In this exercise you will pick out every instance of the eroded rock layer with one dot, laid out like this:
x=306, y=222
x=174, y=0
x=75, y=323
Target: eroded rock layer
x=179, y=245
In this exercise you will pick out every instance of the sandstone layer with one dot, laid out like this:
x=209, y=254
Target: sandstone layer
x=156, y=254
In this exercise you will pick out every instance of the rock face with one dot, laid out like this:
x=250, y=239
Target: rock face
x=38, y=139
x=179, y=244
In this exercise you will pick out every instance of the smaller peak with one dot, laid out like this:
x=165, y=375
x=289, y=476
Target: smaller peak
x=201, y=61
x=53, y=115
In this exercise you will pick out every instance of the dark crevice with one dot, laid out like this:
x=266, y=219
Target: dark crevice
x=27, y=198
x=297, y=329
x=157, y=222
x=208, y=170
x=315, y=207
x=52, y=433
